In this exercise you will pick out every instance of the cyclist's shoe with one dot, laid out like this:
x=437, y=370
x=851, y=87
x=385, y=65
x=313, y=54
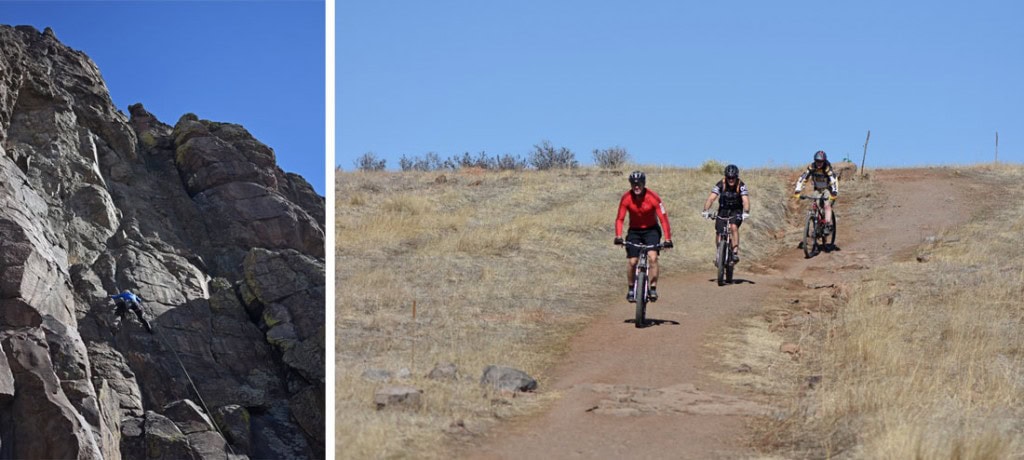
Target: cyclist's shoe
x=715, y=261
x=653, y=295
x=631, y=296
x=828, y=229
x=735, y=258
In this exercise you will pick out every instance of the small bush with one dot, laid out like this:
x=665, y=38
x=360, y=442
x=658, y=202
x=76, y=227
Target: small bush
x=712, y=167
x=611, y=158
x=479, y=161
x=433, y=162
x=430, y=162
x=369, y=162
x=545, y=156
x=508, y=162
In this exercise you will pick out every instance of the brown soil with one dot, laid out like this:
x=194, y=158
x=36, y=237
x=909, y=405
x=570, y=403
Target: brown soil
x=646, y=393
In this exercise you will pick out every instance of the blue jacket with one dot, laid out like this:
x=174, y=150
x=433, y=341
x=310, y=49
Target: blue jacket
x=127, y=296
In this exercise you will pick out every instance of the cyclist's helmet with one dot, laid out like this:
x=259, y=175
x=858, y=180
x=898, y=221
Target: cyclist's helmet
x=638, y=178
x=732, y=172
x=820, y=156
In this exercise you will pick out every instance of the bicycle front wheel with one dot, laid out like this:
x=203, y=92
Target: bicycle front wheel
x=641, y=300
x=809, y=237
x=723, y=259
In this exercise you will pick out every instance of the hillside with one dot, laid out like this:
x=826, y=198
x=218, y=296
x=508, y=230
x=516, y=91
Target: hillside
x=224, y=247
x=518, y=269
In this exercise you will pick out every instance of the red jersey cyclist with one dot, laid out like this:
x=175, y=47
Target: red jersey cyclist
x=645, y=211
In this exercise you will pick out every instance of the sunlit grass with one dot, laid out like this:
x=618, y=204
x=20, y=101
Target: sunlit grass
x=502, y=268
x=919, y=360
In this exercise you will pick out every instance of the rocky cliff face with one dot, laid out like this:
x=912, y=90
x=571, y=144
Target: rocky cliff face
x=226, y=249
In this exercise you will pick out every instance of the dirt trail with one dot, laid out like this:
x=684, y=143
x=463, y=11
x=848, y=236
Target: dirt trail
x=644, y=393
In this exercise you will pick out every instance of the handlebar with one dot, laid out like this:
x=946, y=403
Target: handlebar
x=642, y=247
x=822, y=197
x=714, y=215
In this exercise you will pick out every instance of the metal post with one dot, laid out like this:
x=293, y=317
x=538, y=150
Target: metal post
x=865, y=153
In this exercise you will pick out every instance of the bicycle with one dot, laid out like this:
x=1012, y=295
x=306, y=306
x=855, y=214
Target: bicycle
x=815, y=228
x=641, y=281
x=723, y=254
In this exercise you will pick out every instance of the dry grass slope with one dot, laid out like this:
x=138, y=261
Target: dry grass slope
x=503, y=268
x=919, y=360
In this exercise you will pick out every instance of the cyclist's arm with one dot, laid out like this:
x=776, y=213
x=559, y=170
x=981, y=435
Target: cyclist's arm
x=803, y=177
x=745, y=197
x=833, y=181
x=710, y=200
x=621, y=218
x=663, y=217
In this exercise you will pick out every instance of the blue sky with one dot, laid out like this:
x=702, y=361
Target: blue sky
x=260, y=64
x=754, y=83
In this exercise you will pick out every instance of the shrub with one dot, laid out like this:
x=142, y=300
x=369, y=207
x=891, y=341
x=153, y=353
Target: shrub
x=712, y=167
x=369, y=162
x=508, y=162
x=480, y=161
x=430, y=162
x=611, y=158
x=545, y=156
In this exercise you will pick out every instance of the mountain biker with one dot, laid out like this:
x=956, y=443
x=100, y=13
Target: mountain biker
x=128, y=300
x=645, y=212
x=733, y=202
x=821, y=174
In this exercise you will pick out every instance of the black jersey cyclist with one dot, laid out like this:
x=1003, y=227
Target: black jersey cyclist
x=733, y=202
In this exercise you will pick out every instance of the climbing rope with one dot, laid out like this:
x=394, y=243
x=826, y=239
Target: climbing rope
x=159, y=336
x=196, y=389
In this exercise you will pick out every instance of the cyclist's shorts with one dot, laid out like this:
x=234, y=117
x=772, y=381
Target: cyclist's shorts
x=823, y=191
x=642, y=236
x=736, y=215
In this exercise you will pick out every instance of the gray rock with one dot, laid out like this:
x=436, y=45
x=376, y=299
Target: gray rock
x=6, y=381
x=306, y=406
x=164, y=440
x=397, y=397
x=444, y=371
x=233, y=420
x=376, y=375
x=94, y=202
x=507, y=379
x=48, y=424
x=209, y=445
x=188, y=416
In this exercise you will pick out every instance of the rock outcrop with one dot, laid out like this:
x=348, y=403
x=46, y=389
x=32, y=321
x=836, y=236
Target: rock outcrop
x=226, y=249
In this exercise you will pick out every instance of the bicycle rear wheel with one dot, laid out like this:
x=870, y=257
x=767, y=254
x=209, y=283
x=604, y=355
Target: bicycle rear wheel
x=810, y=241
x=723, y=259
x=641, y=300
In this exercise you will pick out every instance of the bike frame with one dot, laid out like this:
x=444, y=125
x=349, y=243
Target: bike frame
x=723, y=250
x=642, y=280
x=818, y=209
x=816, y=214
